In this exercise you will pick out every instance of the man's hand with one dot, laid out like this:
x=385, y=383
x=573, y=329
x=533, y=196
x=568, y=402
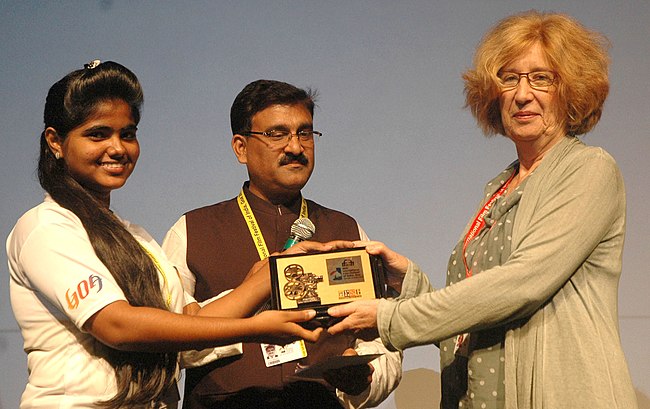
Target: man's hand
x=395, y=264
x=317, y=247
x=353, y=379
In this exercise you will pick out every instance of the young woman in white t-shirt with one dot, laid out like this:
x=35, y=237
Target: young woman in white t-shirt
x=102, y=311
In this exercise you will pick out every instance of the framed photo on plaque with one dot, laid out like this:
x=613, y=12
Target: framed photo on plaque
x=319, y=281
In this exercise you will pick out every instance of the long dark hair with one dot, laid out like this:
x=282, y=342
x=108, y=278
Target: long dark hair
x=142, y=378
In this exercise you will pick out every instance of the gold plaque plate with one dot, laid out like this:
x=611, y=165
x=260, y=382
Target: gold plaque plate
x=319, y=281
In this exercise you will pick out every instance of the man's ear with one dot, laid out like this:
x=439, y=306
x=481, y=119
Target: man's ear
x=238, y=144
x=54, y=141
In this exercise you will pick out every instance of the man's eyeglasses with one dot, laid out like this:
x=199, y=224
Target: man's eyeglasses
x=282, y=138
x=539, y=80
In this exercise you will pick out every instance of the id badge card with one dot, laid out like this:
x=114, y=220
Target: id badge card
x=279, y=354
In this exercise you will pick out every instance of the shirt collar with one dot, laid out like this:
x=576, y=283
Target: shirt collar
x=260, y=205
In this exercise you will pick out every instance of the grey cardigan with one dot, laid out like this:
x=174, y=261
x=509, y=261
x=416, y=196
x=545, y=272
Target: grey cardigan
x=557, y=293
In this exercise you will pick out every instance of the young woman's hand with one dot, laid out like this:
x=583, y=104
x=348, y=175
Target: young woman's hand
x=282, y=327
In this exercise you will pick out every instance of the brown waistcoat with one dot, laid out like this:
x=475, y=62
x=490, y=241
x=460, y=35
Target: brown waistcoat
x=220, y=251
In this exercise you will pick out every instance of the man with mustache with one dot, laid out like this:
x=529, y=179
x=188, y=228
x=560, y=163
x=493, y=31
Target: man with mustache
x=213, y=248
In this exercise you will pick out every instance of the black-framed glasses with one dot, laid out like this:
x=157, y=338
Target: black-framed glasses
x=539, y=80
x=282, y=138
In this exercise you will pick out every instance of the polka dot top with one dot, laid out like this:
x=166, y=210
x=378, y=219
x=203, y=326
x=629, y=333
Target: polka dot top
x=473, y=373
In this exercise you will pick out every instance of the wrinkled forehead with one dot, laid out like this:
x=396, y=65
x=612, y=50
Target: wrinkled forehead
x=527, y=58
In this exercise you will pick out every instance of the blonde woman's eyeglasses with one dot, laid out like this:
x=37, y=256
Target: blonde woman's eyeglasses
x=539, y=80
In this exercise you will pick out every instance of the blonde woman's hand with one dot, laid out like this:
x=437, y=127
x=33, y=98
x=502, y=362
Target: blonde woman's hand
x=360, y=319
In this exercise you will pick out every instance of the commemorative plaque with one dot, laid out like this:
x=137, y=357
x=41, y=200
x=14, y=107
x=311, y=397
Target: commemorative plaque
x=319, y=281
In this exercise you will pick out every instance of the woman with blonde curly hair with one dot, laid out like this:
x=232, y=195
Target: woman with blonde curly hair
x=529, y=315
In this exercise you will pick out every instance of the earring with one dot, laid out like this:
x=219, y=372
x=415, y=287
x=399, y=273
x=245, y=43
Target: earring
x=57, y=155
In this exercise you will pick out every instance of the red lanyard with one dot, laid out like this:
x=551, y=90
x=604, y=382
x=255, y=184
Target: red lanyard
x=479, y=222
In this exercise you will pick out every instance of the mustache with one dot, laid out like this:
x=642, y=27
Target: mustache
x=290, y=158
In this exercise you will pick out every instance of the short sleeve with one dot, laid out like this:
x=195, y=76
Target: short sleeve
x=51, y=255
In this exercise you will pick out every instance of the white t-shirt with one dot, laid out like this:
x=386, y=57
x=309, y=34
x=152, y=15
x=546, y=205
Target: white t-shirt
x=57, y=283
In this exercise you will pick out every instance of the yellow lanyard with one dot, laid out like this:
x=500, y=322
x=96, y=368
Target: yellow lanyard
x=168, y=294
x=254, y=228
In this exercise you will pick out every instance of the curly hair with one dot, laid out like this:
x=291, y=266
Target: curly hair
x=577, y=55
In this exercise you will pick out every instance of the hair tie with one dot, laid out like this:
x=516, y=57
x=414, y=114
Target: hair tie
x=92, y=64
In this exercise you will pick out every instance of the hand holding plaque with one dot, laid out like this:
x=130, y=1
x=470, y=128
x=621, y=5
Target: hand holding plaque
x=319, y=281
